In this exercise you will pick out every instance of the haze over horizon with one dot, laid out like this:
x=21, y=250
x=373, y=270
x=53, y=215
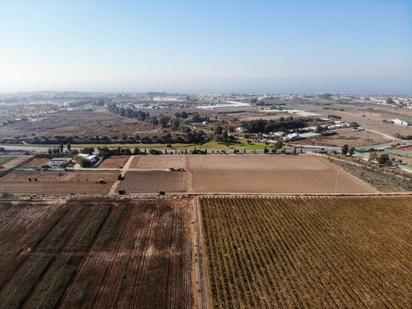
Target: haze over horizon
x=297, y=46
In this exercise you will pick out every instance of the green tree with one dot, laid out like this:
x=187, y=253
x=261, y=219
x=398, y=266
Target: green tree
x=218, y=130
x=88, y=150
x=196, y=117
x=86, y=163
x=164, y=121
x=175, y=124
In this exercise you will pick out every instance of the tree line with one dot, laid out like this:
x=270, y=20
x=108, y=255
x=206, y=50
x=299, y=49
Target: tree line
x=283, y=124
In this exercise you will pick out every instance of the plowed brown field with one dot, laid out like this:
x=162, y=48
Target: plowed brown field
x=318, y=252
x=114, y=162
x=153, y=182
x=95, y=254
x=159, y=162
x=36, y=163
x=271, y=174
x=53, y=182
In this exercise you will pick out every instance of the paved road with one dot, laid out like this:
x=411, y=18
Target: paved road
x=33, y=149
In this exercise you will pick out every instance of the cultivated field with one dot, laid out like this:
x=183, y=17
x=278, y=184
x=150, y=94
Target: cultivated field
x=95, y=253
x=114, y=162
x=36, y=163
x=159, y=162
x=53, y=182
x=204, y=174
x=153, y=182
x=318, y=252
x=271, y=174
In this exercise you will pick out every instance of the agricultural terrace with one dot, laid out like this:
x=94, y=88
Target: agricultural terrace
x=57, y=182
x=313, y=252
x=95, y=253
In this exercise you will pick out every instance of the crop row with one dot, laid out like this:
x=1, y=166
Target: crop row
x=154, y=182
x=96, y=254
x=308, y=252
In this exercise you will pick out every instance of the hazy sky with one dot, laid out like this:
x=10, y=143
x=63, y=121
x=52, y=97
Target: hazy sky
x=200, y=46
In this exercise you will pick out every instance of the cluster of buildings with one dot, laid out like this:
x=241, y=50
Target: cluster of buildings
x=68, y=162
x=307, y=132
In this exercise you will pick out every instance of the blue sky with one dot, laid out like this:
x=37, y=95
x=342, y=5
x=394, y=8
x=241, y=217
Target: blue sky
x=353, y=46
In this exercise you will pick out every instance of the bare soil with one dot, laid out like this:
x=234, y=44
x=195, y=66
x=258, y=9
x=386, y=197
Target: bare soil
x=52, y=182
x=271, y=174
x=80, y=123
x=36, y=163
x=162, y=162
x=114, y=162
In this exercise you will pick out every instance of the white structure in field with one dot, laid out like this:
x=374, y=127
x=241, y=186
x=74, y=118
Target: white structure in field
x=91, y=158
x=59, y=162
x=400, y=122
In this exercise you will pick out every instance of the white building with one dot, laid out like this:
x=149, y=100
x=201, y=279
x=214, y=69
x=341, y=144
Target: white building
x=400, y=122
x=60, y=162
x=91, y=158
